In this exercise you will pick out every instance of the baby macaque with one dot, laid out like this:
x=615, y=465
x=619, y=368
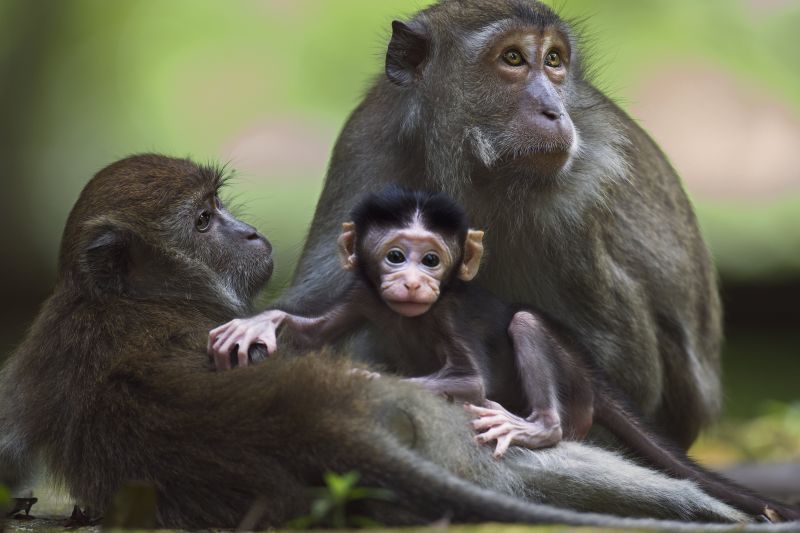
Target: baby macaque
x=528, y=380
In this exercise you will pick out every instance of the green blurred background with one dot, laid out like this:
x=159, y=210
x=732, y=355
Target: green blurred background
x=266, y=85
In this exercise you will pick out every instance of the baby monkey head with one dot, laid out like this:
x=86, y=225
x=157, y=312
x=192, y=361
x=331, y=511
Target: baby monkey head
x=409, y=245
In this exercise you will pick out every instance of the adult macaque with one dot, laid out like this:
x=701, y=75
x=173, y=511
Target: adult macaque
x=487, y=100
x=111, y=385
x=414, y=255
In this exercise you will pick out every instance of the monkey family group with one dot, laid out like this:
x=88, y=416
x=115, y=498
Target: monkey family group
x=523, y=269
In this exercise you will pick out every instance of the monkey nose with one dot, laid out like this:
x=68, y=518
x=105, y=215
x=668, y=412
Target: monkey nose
x=551, y=114
x=412, y=286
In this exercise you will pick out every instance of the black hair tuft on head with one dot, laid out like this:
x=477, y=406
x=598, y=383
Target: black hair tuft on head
x=396, y=206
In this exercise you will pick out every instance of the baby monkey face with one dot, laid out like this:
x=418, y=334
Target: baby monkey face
x=407, y=250
x=412, y=263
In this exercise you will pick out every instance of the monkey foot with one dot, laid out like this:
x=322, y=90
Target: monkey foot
x=540, y=430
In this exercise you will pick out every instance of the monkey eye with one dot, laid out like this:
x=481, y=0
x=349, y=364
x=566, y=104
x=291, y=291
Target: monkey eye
x=203, y=221
x=395, y=257
x=431, y=260
x=552, y=60
x=513, y=57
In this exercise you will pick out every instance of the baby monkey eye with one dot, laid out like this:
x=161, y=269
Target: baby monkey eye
x=552, y=60
x=203, y=221
x=513, y=57
x=395, y=257
x=430, y=260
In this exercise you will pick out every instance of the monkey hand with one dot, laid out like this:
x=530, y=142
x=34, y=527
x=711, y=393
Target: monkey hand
x=239, y=334
x=540, y=430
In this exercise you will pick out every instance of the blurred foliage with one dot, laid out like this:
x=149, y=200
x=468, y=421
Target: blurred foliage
x=5, y=500
x=771, y=436
x=754, y=241
x=330, y=507
x=756, y=367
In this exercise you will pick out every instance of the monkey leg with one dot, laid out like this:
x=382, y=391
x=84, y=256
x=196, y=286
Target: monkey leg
x=536, y=356
x=508, y=429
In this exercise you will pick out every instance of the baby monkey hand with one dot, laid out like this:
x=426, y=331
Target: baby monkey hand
x=241, y=333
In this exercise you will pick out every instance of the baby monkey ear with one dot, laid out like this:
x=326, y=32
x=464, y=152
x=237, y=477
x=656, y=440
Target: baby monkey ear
x=347, y=246
x=473, y=252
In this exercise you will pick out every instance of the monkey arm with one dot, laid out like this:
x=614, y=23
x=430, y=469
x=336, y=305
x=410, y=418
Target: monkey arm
x=304, y=332
x=314, y=332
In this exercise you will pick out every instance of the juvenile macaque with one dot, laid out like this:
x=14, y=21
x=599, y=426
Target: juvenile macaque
x=413, y=256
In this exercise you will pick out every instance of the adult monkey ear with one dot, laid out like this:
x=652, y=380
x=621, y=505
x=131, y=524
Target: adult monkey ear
x=116, y=260
x=105, y=258
x=407, y=50
x=473, y=252
x=347, y=246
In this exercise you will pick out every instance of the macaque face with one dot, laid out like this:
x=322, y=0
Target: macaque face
x=411, y=265
x=408, y=264
x=526, y=73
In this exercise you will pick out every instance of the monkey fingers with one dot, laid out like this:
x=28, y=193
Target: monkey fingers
x=495, y=433
x=267, y=338
x=503, y=443
x=540, y=431
x=223, y=339
x=486, y=419
x=490, y=408
x=487, y=422
x=243, y=333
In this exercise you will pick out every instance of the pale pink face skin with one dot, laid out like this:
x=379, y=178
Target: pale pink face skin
x=412, y=263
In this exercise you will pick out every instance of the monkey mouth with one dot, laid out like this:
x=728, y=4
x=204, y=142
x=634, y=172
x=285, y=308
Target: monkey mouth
x=542, y=161
x=410, y=307
x=559, y=146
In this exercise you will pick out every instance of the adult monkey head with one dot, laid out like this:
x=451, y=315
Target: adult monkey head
x=586, y=220
x=517, y=76
x=126, y=226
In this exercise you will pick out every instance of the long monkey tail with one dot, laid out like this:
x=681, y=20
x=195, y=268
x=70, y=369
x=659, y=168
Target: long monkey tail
x=437, y=493
x=613, y=416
